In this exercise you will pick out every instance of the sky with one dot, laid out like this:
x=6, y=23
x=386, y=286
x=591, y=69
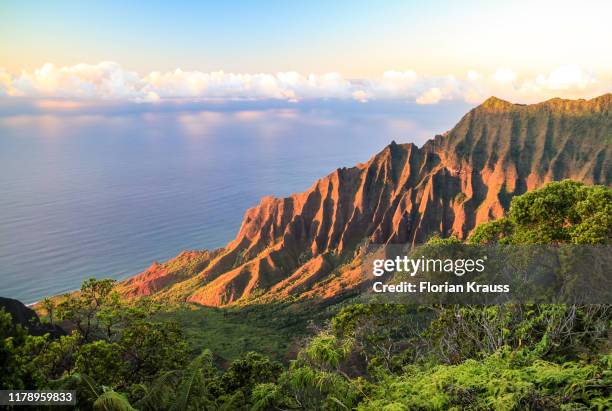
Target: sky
x=423, y=52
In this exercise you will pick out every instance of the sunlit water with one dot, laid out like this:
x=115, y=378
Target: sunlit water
x=107, y=194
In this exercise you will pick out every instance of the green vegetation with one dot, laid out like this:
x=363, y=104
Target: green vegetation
x=122, y=356
x=563, y=212
x=271, y=329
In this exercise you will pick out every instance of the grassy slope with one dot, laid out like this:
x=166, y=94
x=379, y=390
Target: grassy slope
x=274, y=330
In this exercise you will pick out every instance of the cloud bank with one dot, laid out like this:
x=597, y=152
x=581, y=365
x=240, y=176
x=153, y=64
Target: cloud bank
x=110, y=81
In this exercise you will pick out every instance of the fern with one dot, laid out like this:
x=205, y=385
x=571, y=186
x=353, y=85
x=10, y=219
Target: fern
x=112, y=401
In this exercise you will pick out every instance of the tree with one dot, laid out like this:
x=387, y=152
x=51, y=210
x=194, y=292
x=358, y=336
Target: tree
x=559, y=212
x=102, y=360
x=81, y=308
x=14, y=373
x=115, y=342
x=49, y=306
x=376, y=332
x=150, y=348
x=247, y=371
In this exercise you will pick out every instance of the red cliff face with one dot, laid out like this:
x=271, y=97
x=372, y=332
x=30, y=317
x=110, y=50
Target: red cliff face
x=302, y=245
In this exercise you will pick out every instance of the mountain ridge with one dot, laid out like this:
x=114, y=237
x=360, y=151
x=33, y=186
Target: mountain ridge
x=300, y=246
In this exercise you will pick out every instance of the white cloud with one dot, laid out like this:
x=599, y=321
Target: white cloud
x=103, y=80
x=361, y=95
x=567, y=77
x=473, y=75
x=110, y=81
x=6, y=83
x=431, y=96
x=504, y=75
x=288, y=85
x=395, y=83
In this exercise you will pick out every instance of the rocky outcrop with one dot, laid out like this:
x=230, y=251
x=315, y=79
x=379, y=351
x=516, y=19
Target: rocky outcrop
x=302, y=245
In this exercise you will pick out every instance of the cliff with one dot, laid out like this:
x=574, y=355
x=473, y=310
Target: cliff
x=303, y=245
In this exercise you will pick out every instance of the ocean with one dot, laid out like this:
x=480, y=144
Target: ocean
x=104, y=192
